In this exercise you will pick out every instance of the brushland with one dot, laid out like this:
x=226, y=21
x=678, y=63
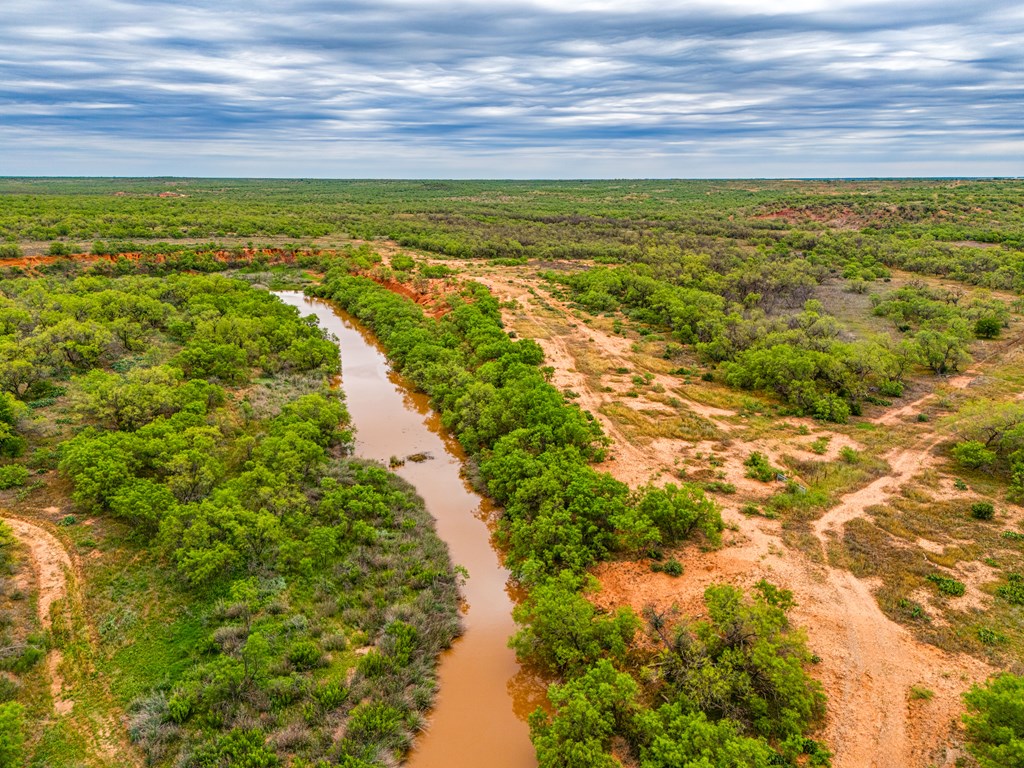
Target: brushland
x=834, y=365
x=253, y=593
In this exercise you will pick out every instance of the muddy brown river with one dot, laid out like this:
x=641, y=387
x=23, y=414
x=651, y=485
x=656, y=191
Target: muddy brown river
x=479, y=717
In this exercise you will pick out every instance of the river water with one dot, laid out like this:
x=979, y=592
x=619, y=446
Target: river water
x=479, y=717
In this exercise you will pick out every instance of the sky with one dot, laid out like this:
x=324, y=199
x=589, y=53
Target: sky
x=541, y=89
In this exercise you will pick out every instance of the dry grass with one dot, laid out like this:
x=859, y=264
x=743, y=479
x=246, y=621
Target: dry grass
x=916, y=535
x=644, y=425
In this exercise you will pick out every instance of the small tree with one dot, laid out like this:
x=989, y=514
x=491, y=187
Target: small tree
x=995, y=722
x=987, y=327
x=12, y=734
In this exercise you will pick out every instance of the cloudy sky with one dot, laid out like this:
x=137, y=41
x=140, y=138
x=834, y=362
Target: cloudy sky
x=546, y=89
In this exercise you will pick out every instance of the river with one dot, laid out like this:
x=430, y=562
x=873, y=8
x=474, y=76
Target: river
x=479, y=717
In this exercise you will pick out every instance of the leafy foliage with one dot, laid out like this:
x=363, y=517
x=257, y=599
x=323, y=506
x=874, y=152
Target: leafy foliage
x=995, y=721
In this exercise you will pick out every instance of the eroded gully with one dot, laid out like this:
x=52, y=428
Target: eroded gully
x=484, y=697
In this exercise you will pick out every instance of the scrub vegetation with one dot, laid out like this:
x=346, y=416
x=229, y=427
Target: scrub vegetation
x=266, y=596
x=741, y=434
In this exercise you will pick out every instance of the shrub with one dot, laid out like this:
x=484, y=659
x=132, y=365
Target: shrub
x=973, y=454
x=671, y=567
x=376, y=723
x=920, y=693
x=12, y=734
x=676, y=511
x=982, y=510
x=9, y=251
x=305, y=654
x=820, y=446
x=849, y=455
x=1013, y=590
x=402, y=262
x=759, y=468
x=832, y=408
x=990, y=636
x=246, y=749
x=995, y=721
x=987, y=327
x=58, y=248
x=562, y=631
x=947, y=586
x=891, y=388
x=12, y=476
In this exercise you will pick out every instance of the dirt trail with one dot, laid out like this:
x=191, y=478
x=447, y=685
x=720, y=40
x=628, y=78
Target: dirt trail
x=903, y=465
x=869, y=664
x=51, y=563
x=57, y=576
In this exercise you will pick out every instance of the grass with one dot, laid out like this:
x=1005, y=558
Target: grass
x=644, y=425
x=920, y=693
x=885, y=546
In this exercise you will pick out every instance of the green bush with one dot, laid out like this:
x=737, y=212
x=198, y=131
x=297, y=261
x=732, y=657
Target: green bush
x=987, y=327
x=376, y=723
x=672, y=567
x=305, y=654
x=238, y=748
x=12, y=734
x=587, y=712
x=891, y=388
x=995, y=722
x=10, y=251
x=1013, y=590
x=946, y=585
x=12, y=476
x=761, y=682
x=849, y=455
x=563, y=633
x=402, y=262
x=983, y=510
x=990, y=636
x=759, y=468
x=58, y=248
x=973, y=454
x=820, y=446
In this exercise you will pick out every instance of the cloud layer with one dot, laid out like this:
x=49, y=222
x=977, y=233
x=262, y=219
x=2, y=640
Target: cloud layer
x=549, y=88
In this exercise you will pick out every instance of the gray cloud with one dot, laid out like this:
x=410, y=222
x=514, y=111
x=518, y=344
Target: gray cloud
x=555, y=88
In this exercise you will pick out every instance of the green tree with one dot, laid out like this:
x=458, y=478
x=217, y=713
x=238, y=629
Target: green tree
x=12, y=734
x=236, y=749
x=995, y=721
x=671, y=737
x=588, y=711
x=944, y=351
x=562, y=631
x=987, y=327
x=743, y=663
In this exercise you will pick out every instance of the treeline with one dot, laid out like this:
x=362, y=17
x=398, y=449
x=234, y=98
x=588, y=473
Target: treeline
x=969, y=231
x=732, y=688
x=202, y=420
